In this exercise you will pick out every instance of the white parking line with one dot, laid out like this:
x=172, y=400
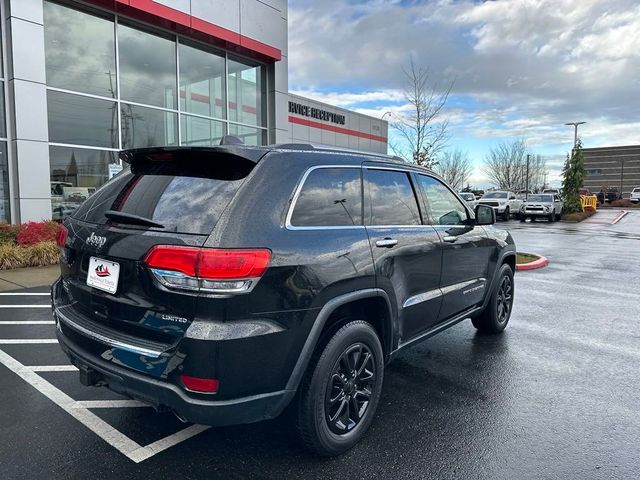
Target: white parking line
x=26, y=306
x=52, y=368
x=25, y=341
x=25, y=294
x=167, y=442
x=110, y=404
x=27, y=322
x=131, y=449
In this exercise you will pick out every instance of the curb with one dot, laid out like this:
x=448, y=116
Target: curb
x=620, y=217
x=539, y=263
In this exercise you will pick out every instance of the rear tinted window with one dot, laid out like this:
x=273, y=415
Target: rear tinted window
x=391, y=199
x=185, y=197
x=329, y=197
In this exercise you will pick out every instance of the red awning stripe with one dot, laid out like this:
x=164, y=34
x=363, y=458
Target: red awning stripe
x=333, y=128
x=185, y=24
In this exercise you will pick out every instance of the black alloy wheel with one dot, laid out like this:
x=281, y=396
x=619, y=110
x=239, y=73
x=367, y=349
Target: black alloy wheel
x=495, y=317
x=349, y=390
x=504, y=301
x=340, y=390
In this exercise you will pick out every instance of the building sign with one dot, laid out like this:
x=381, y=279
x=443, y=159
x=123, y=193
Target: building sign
x=318, y=114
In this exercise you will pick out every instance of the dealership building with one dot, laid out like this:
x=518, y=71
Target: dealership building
x=82, y=80
x=612, y=167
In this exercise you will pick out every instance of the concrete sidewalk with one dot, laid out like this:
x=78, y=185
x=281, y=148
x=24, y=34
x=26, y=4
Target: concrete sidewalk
x=28, y=277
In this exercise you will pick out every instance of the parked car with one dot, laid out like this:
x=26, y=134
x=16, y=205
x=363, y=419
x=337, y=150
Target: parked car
x=555, y=191
x=503, y=202
x=522, y=194
x=635, y=195
x=585, y=192
x=287, y=274
x=468, y=197
x=542, y=205
x=608, y=196
x=478, y=193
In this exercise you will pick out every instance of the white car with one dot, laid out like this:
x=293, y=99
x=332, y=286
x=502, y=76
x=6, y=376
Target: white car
x=504, y=203
x=635, y=195
x=470, y=198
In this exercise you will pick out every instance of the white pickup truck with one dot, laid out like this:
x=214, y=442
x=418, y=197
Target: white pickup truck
x=504, y=203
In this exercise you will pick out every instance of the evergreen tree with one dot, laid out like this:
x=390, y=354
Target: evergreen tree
x=573, y=177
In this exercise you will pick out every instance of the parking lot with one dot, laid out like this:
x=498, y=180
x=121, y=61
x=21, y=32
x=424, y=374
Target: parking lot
x=555, y=396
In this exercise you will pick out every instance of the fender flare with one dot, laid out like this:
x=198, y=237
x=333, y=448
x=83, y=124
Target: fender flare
x=318, y=325
x=504, y=254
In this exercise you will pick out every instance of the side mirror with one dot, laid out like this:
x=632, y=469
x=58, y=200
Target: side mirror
x=485, y=215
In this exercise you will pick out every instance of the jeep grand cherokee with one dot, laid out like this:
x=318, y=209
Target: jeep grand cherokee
x=228, y=283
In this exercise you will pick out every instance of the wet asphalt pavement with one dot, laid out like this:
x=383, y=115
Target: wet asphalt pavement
x=555, y=396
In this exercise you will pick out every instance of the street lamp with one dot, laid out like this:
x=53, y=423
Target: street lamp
x=575, y=135
x=385, y=114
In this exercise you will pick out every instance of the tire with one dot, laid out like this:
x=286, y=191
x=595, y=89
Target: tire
x=552, y=217
x=559, y=216
x=494, y=318
x=329, y=395
x=505, y=215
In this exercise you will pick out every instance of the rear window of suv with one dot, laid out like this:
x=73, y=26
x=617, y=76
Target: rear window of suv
x=185, y=196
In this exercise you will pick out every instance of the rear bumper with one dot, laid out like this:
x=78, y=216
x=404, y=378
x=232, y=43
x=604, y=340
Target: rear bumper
x=164, y=395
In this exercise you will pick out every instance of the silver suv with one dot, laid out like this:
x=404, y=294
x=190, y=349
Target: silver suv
x=542, y=205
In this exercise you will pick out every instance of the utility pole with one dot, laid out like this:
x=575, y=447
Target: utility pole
x=621, y=176
x=526, y=192
x=575, y=133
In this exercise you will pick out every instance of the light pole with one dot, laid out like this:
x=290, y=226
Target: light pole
x=575, y=134
x=385, y=114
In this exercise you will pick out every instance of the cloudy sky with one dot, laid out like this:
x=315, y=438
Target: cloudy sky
x=521, y=68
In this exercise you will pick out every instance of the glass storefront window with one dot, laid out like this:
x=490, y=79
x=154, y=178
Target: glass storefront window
x=76, y=173
x=5, y=212
x=202, y=89
x=246, y=95
x=80, y=51
x=249, y=135
x=147, y=68
x=79, y=120
x=201, y=131
x=147, y=127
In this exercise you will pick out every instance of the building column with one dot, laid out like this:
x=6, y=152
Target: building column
x=29, y=134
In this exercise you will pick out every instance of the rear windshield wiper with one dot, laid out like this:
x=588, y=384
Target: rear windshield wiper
x=131, y=219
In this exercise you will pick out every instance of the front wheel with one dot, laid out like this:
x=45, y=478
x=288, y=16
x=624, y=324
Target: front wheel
x=340, y=391
x=506, y=214
x=495, y=316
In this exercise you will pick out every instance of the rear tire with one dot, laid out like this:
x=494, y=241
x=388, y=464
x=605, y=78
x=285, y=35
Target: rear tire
x=495, y=317
x=340, y=390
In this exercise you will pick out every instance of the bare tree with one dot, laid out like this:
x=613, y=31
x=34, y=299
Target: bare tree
x=423, y=132
x=506, y=167
x=455, y=167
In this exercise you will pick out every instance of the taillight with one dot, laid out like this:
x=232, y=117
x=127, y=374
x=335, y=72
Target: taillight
x=209, y=270
x=203, y=385
x=61, y=235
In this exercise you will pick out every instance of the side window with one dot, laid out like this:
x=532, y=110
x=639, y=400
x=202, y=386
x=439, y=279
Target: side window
x=330, y=197
x=391, y=199
x=444, y=206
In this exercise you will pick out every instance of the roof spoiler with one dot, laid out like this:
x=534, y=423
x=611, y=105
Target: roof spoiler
x=205, y=154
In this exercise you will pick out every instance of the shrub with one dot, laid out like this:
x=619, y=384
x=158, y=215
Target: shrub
x=42, y=254
x=11, y=256
x=18, y=256
x=578, y=216
x=31, y=233
x=621, y=203
x=8, y=232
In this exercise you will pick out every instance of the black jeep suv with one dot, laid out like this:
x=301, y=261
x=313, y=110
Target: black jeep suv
x=227, y=283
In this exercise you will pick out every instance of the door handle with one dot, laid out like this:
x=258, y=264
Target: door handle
x=450, y=239
x=386, y=243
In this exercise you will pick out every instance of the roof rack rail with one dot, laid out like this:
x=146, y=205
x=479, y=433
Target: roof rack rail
x=311, y=146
